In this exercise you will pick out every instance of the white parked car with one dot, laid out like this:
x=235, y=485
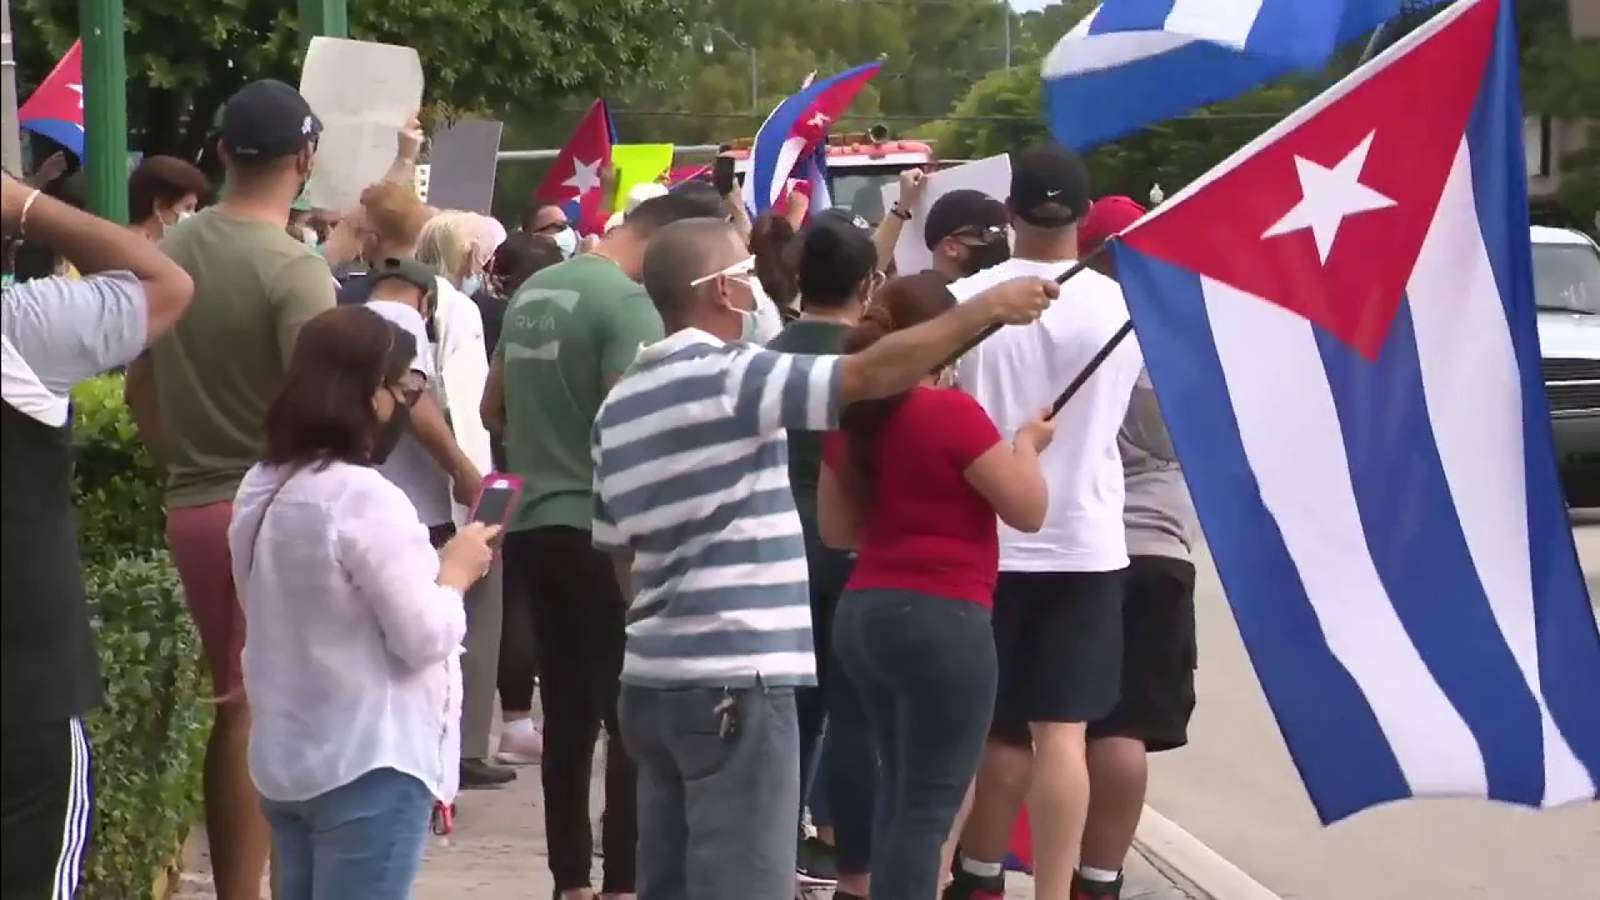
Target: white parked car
x=1566, y=287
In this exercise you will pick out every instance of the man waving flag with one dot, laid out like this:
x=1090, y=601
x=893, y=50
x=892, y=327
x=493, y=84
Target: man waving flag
x=792, y=139
x=1340, y=324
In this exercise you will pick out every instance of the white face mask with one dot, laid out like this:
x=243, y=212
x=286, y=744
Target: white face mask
x=566, y=241
x=308, y=236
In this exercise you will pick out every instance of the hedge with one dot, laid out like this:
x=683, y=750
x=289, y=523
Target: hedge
x=149, y=736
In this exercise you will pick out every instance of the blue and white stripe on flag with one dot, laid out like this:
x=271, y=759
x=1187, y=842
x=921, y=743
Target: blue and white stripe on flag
x=1351, y=376
x=1131, y=63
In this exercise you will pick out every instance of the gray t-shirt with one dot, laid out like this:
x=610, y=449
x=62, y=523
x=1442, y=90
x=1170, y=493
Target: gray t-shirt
x=60, y=331
x=409, y=467
x=1156, y=512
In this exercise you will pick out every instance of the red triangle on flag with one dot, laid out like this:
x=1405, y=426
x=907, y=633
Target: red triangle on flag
x=1326, y=213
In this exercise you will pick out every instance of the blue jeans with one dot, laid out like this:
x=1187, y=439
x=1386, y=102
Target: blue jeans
x=360, y=840
x=925, y=669
x=716, y=805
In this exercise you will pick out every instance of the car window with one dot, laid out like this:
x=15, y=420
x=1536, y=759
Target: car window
x=1566, y=278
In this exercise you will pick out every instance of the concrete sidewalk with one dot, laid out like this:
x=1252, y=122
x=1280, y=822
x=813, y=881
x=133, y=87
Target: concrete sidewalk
x=497, y=853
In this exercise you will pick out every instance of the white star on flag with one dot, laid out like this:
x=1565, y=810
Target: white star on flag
x=78, y=89
x=585, y=176
x=1328, y=196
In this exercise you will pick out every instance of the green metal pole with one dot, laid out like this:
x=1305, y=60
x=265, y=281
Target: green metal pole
x=105, y=108
x=329, y=18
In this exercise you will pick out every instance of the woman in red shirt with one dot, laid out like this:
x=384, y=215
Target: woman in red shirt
x=914, y=484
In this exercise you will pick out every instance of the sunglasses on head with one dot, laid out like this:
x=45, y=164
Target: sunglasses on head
x=984, y=235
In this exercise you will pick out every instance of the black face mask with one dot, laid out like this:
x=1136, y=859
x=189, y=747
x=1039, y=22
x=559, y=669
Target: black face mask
x=984, y=256
x=389, y=432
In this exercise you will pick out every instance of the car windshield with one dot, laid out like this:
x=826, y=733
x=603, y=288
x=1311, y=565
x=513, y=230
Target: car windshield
x=861, y=192
x=1566, y=278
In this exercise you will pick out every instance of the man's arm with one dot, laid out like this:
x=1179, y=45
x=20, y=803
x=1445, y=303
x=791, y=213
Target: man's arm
x=95, y=245
x=737, y=214
x=139, y=392
x=901, y=359
x=302, y=291
x=492, y=409
x=434, y=434
x=408, y=148
x=622, y=566
x=912, y=183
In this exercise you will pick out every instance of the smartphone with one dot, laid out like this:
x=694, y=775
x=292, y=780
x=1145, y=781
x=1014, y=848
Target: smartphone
x=722, y=175
x=498, y=499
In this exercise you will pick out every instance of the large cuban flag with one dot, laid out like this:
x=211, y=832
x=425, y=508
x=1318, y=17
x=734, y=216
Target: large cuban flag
x=1130, y=63
x=791, y=143
x=1339, y=321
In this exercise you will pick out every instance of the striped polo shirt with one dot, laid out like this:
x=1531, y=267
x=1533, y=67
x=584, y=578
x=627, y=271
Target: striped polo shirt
x=691, y=475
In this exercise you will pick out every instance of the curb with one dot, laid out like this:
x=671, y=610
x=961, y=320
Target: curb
x=1198, y=870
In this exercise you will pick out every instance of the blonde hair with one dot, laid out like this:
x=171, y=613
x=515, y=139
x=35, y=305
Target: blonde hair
x=394, y=213
x=447, y=243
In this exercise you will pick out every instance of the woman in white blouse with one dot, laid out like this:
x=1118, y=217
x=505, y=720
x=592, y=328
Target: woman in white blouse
x=354, y=621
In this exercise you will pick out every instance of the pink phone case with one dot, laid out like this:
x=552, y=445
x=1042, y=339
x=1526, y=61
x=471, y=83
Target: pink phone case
x=496, y=481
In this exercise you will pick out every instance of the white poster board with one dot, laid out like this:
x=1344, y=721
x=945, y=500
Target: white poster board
x=364, y=93
x=991, y=176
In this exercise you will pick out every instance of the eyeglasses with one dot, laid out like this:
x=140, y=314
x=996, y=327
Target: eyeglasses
x=987, y=234
x=740, y=270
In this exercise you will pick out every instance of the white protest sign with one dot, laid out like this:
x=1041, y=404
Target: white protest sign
x=992, y=176
x=364, y=93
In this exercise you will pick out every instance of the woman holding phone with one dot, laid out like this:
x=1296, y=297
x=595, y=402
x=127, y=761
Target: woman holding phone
x=914, y=483
x=355, y=620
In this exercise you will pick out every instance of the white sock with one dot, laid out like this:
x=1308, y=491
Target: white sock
x=980, y=868
x=1103, y=876
x=520, y=727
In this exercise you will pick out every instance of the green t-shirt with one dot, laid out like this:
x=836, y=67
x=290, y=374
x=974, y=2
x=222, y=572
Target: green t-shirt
x=220, y=367
x=813, y=336
x=569, y=332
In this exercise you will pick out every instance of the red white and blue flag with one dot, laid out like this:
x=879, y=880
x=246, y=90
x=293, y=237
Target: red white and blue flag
x=1339, y=321
x=791, y=144
x=574, y=180
x=55, y=109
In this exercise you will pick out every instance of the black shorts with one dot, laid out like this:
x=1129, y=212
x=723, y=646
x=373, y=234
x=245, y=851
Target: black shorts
x=1058, y=639
x=1158, y=656
x=48, y=806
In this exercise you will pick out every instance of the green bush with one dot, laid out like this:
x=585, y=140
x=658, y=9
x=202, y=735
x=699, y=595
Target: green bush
x=149, y=737
x=116, y=485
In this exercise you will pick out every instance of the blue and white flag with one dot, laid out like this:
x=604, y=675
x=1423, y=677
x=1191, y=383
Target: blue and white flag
x=1132, y=63
x=1339, y=321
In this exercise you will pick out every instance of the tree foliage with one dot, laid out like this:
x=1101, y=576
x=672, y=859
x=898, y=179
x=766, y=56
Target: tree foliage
x=185, y=57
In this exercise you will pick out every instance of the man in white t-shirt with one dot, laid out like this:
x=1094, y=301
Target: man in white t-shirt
x=1058, y=603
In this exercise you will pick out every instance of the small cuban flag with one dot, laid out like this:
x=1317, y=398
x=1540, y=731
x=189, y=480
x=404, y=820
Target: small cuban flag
x=55, y=109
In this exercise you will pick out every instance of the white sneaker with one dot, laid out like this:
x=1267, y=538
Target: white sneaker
x=521, y=746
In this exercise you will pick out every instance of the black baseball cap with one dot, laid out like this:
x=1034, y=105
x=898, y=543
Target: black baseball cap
x=1049, y=186
x=417, y=274
x=267, y=120
x=964, y=211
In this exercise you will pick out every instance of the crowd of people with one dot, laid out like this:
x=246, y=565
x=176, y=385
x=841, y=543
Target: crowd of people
x=836, y=590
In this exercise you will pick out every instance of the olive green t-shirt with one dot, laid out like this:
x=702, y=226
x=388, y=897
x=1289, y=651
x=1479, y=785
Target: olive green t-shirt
x=220, y=367
x=569, y=331
x=819, y=337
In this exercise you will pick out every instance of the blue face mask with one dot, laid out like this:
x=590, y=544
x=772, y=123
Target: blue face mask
x=471, y=284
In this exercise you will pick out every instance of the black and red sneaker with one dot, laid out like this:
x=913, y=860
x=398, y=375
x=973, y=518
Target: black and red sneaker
x=967, y=886
x=1084, y=889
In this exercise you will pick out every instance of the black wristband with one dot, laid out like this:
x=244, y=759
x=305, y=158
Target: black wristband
x=900, y=212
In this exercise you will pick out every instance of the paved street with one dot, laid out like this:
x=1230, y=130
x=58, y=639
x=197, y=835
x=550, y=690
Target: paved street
x=1235, y=789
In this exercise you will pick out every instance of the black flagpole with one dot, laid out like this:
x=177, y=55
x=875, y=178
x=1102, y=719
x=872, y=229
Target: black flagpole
x=1095, y=361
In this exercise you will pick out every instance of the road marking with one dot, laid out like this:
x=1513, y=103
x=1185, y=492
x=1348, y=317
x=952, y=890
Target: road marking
x=1177, y=852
